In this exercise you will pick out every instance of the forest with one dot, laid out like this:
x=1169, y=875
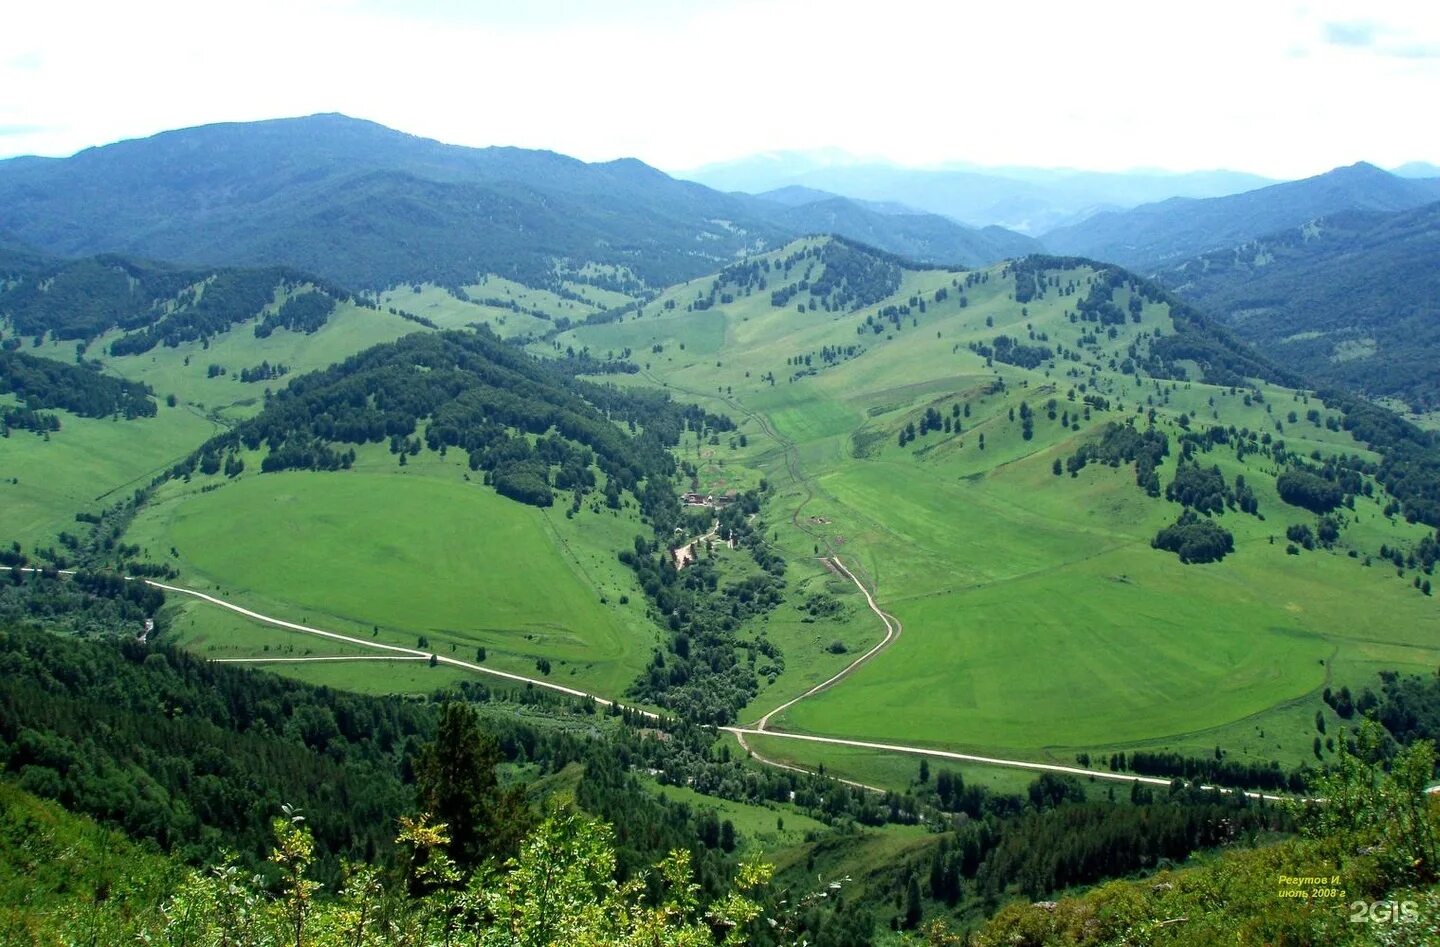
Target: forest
x=42, y=383
x=700, y=676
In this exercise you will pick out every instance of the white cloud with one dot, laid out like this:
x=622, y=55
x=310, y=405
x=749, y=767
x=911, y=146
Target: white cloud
x=1263, y=87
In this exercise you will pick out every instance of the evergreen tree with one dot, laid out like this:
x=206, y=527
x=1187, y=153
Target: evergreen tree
x=456, y=784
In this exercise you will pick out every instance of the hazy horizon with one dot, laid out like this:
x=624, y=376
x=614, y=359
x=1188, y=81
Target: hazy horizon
x=1282, y=91
x=839, y=157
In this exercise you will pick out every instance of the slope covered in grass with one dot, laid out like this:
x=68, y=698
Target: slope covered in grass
x=911, y=421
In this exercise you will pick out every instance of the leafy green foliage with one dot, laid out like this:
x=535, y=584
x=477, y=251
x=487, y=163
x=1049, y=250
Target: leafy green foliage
x=64, y=879
x=195, y=755
x=1410, y=458
x=1408, y=706
x=1202, y=489
x=701, y=676
x=1305, y=489
x=306, y=312
x=456, y=783
x=1213, y=770
x=1055, y=847
x=157, y=304
x=1122, y=444
x=1195, y=539
x=83, y=298
x=24, y=419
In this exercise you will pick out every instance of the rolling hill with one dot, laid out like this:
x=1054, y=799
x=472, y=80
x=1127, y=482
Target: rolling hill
x=1002, y=455
x=1352, y=299
x=1156, y=235
x=206, y=344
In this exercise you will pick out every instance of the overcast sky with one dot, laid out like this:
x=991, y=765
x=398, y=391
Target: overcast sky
x=1277, y=87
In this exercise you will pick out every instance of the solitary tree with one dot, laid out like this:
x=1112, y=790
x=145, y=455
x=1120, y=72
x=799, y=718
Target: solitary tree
x=456, y=785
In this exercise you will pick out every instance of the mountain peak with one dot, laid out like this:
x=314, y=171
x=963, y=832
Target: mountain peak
x=1359, y=169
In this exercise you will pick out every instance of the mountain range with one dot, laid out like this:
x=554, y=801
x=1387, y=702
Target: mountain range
x=1153, y=235
x=1326, y=275
x=372, y=207
x=1030, y=200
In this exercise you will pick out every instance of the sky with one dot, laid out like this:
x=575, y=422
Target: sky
x=1281, y=88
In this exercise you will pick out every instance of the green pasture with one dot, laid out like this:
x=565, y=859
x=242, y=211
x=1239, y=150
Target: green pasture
x=762, y=828
x=899, y=772
x=394, y=554
x=373, y=677
x=87, y=465
x=185, y=370
x=448, y=311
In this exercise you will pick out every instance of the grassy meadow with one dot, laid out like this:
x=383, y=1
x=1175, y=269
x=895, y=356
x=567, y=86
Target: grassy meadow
x=92, y=462
x=400, y=553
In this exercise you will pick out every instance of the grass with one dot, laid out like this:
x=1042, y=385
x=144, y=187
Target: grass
x=85, y=466
x=762, y=828
x=184, y=371
x=397, y=554
x=1038, y=620
x=374, y=677
x=893, y=771
x=448, y=311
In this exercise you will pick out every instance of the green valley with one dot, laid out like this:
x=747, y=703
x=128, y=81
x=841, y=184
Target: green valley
x=1038, y=621
x=484, y=546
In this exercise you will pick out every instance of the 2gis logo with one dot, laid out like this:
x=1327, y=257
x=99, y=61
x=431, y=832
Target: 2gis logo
x=1384, y=912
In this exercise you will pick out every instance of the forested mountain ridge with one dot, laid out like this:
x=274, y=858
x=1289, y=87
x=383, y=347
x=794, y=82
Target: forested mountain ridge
x=371, y=207
x=1352, y=299
x=1155, y=234
x=153, y=304
x=368, y=206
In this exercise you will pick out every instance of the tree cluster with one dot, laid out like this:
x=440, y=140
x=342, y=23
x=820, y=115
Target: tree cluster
x=1122, y=444
x=44, y=383
x=1195, y=539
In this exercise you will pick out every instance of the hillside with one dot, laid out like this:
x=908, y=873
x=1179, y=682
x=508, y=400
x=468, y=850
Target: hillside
x=114, y=368
x=154, y=304
x=1049, y=457
x=1155, y=235
x=1351, y=300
